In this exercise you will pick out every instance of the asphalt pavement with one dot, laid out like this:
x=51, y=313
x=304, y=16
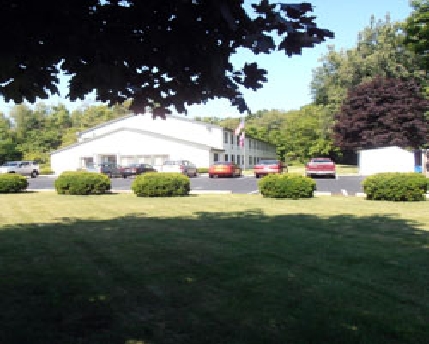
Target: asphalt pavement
x=345, y=185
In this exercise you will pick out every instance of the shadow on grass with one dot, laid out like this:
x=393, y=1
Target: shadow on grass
x=216, y=278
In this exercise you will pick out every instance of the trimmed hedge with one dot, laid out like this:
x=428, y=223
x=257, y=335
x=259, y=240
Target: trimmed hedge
x=396, y=186
x=12, y=183
x=289, y=185
x=82, y=183
x=155, y=184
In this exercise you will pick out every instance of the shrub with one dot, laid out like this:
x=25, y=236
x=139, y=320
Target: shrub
x=82, y=183
x=12, y=183
x=290, y=185
x=395, y=186
x=155, y=184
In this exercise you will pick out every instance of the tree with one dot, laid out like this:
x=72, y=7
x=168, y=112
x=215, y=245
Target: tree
x=306, y=134
x=383, y=112
x=417, y=30
x=8, y=149
x=380, y=51
x=159, y=53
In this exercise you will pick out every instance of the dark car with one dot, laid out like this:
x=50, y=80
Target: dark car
x=264, y=167
x=109, y=169
x=224, y=169
x=135, y=169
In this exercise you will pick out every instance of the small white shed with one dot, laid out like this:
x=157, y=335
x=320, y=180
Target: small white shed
x=388, y=159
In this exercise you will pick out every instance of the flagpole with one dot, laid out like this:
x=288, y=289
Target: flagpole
x=244, y=148
x=240, y=133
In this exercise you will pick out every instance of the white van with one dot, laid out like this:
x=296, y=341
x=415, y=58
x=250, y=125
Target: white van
x=25, y=168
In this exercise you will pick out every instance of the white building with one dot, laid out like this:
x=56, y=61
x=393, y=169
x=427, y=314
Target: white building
x=142, y=139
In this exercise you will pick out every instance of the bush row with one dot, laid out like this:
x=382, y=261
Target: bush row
x=396, y=187
x=382, y=186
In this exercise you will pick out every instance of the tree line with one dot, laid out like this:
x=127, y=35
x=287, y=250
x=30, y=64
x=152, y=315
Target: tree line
x=31, y=133
x=372, y=95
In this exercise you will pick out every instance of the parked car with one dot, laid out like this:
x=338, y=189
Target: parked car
x=181, y=166
x=136, y=169
x=225, y=169
x=320, y=167
x=264, y=167
x=107, y=168
x=25, y=168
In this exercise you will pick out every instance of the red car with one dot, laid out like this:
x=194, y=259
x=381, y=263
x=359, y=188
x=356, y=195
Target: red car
x=224, y=169
x=320, y=167
x=264, y=167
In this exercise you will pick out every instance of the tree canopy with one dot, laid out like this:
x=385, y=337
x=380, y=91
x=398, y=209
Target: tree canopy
x=161, y=54
x=417, y=29
x=380, y=51
x=383, y=112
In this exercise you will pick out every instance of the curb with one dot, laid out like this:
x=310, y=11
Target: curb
x=214, y=192
x=210, y=192
x=322, y=193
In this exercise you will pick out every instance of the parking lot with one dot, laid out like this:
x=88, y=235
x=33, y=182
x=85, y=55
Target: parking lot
x=346, y=185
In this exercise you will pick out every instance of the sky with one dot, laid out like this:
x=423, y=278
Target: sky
x=289, y=79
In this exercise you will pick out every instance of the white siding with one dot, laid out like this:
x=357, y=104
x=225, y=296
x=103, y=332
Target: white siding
x=389, y=159
x=143, y=138
x=258, y=149
x=127, y=143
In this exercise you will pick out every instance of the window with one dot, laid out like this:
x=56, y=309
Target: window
x=215, y=157
x=87, y=162
x=225, y=137
x=232, y=158
x=232, y=139
x=242, y=159
x=250, y=143
x=226, y=157
x=250, y=160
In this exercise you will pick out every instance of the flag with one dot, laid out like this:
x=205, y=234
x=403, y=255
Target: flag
x=242, y=139
x=239, y=128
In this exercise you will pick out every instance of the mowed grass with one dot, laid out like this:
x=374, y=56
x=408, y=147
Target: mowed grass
x=224, y=269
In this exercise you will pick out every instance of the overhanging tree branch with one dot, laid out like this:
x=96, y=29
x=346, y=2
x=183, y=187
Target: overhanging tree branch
x=171, y=52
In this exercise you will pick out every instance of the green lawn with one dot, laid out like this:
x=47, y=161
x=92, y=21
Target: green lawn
x=230, y=269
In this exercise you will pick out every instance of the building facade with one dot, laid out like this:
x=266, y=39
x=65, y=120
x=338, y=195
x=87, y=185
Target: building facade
x=142, y=139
